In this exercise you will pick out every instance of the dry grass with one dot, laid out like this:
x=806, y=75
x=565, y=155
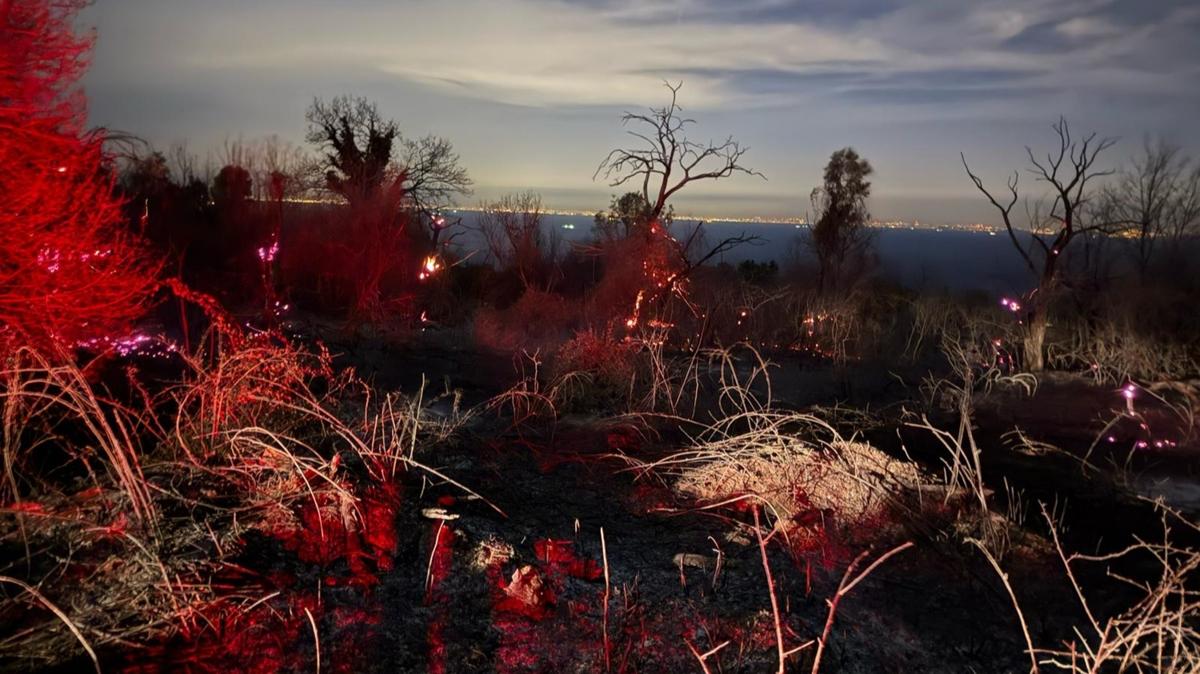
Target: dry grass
x=1112, y=353
x=795, y=465
x=1158, y=632
x=254, y=430
x=39, y=397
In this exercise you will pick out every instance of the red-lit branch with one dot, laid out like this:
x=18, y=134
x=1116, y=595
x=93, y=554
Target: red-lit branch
x=68, y=271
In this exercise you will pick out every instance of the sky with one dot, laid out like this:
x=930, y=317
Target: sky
x=531, y=92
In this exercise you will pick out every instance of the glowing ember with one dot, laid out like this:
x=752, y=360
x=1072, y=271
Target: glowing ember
x=632, y=321
x=268, y=253
x=136, y=344
x=429, y=266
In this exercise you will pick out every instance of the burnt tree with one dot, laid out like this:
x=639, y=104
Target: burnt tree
x=663, y=163
x=668, y=161
x=1067, y=170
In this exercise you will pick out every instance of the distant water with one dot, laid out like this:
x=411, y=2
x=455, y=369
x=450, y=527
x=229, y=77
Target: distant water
x=952, y=260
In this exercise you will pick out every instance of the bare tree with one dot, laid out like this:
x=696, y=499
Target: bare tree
x=668, y=161
x=1067, y=170
x=1155, y=200
x=360, y=162
x=185, y=165
x=1183, y=217
x=281, y=169
x=433, y=176
x=512, y=230
x=665, y=163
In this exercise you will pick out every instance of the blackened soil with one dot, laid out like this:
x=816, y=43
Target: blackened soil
x=937, y=607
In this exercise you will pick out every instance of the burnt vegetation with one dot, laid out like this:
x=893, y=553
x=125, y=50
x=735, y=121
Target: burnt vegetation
x=296, y=408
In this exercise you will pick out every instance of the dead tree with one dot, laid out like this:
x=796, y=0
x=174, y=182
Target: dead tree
x=434, y=178
x=360, y=161
x=1067, y=170
x=512, y=230
x=1155, y=201
x=668, y=161
x=665, y=163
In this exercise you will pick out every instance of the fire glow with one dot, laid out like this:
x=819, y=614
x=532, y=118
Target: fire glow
x=430, y=266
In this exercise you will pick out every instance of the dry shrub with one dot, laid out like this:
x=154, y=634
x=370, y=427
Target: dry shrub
x=118, y=584
x=259, y=435
x=811, y=479
x=1157, y=632
x=362, y=262
x=135, y=574
x=797, y=480
x=537, y=319
x=839, y=328
x=1113, y=352
x=931, y=316
x=45, y=405
x=254, y=384
x=601, y=367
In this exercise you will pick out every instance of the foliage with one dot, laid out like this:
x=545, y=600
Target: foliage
x=840, y=235
x=627, y=215
x=365, y=157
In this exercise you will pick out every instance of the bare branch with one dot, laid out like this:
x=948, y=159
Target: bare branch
x=668, y=160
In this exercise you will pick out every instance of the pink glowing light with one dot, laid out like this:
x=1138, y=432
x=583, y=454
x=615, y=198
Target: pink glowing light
x=135, y=344
x=268, y=253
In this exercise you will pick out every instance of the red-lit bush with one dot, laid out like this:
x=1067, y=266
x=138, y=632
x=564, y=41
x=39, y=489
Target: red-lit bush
x=68, y=273
x=537, y=319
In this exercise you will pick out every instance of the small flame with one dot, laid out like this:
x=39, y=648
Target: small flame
x=429, y=266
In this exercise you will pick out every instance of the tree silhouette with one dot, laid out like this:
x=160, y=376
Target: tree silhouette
x=366, y=158
x=232, y=188
x=358, y=147
x=668, y=161
x=840, y=232
x=627, y=215
x=665, y=162
x=1067, y=170
x=1155, y=200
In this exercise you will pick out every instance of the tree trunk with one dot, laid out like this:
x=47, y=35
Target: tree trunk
x=1035, y=339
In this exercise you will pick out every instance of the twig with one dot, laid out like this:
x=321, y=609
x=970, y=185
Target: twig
x=316, y=636
x=58, y=612
x=702, y=658
x=762, y=548
x=607, y=593
x=1012, y=596
x=843, y=589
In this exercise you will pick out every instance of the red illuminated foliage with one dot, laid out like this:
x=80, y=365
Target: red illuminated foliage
x=68, y=272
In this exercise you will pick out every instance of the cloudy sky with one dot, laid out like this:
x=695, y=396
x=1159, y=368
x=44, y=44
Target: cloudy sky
x=531, y=91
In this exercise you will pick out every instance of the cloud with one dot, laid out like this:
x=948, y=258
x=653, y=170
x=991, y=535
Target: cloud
x=617, y=52
x=1086, y=27
x=531, y=90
